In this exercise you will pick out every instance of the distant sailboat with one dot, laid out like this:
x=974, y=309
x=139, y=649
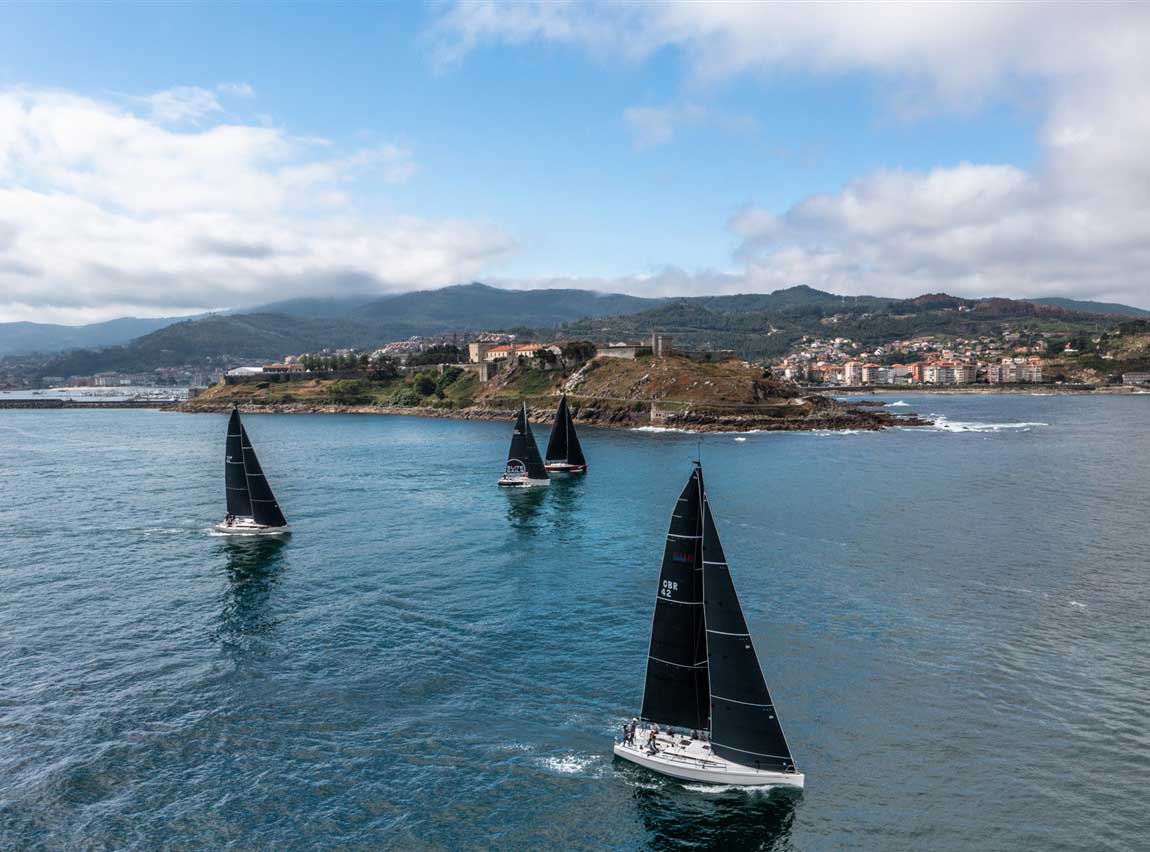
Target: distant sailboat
x=703, y=677
x=564, y=455
x=252, y=508
x=524, y=464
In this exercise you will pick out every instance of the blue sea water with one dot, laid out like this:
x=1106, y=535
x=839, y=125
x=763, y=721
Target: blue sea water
x=954, y=622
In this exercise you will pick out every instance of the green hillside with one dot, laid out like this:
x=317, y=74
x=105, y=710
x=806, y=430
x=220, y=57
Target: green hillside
x=1093, y=307
x=756, y=332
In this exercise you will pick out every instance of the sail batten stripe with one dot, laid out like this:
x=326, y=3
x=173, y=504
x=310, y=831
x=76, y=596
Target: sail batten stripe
x=692, y=537
x=721, y=633
x=784, y=757
x=684, y=603
x=677, y=665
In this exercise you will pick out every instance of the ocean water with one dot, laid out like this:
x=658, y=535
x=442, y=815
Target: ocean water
x=954, y=623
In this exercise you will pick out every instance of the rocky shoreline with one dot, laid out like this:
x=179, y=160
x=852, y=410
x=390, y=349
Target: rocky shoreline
x=815, y=417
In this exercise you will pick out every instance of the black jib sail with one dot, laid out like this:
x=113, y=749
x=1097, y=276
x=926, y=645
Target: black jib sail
x=265, y=509
x=563, y=446
x=523, y=459
x=235, y=478
x=676, y=691
x=744, y=726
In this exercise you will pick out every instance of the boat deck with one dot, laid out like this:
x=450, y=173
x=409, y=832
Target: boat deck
x=682, y=756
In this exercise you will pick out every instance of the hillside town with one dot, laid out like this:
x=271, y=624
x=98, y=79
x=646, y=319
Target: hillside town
x=1011, y=358
x=925, y=360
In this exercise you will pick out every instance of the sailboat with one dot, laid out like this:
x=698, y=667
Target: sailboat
x=707, y=713
x=252, y=508
x=524, y=464
x=564, y=455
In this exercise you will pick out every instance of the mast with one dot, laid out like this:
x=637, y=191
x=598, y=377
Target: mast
x=265, y=509
x=523, y=457
x=744, y=726
x=676, y=689
x=235, y=478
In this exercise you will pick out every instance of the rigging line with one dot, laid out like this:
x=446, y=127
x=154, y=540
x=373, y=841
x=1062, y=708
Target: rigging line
x=736, y=701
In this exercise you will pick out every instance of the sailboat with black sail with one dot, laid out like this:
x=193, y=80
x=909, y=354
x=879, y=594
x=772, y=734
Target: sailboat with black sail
x=564, y=454
x=707, y=713
x=252, y=507
x=524, y=464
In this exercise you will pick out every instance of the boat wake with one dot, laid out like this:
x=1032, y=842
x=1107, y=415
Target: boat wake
x=570, y=763
x=727, y=788
x=942, y=424
x=899, y=404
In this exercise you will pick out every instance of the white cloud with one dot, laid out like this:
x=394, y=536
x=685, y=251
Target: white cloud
x=106, y=211
x=656, y=125
x=1077, y=223
x=182, y=104
x=239, y=90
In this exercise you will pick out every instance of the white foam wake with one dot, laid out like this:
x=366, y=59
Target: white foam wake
x=942, y=424
x=661, y=429
x=568, y=764
x=899, y=404
x=726, y=788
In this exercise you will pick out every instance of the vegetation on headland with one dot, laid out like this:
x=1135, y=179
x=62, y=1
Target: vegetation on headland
x=1103, y=358
x=674, y=392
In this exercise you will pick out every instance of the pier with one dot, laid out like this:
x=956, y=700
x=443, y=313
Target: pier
x=68, y=403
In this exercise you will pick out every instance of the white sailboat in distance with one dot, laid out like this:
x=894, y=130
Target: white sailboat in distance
x=707, y=713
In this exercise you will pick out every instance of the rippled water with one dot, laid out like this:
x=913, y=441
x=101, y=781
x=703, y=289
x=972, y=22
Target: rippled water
x=954, y=623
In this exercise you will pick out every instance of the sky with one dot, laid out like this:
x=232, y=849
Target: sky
x=166, y=159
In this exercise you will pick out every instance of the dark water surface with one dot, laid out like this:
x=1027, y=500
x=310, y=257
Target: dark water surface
x=954, y=622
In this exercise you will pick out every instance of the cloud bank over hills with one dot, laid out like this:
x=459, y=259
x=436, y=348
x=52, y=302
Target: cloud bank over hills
x=167, y=204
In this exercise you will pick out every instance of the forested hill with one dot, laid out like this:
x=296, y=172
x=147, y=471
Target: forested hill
x=755, y=324
x=739, y=323
x=302, y=325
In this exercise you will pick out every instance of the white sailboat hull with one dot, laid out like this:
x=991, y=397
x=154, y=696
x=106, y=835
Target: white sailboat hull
x=692, y=760
x=522, y=482
x=246, y=526
x=563, y=467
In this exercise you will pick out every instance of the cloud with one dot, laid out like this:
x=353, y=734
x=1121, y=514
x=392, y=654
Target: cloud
x=239, y=90
x=1076, y=223
x=183, y=103
x=656, y=125
x=106, y=211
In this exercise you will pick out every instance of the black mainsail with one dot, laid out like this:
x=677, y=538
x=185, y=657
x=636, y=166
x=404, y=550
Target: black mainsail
x=248, y=492
x=676, y=691
x=563, y=445
x=265, y=510
x=744, y=726
x=235, y=476
x=523, y=459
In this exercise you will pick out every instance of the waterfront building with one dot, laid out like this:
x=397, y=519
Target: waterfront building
x=1129, y=379
x=852, y=373
x=1015, y=371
